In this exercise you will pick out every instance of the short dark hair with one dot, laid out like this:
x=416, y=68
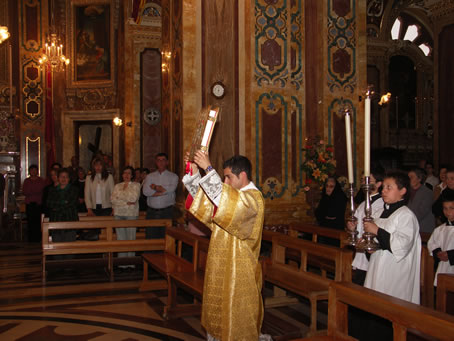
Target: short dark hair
x=447, y=196
x=420, y=173
x=378, y=172
x=449, y=170
x=146, y=170
x=62, y=170
x=402, y=181
x=56, y=164
x=33, y=167
x=238, y=164
x=162, y=154
x=133, y=174
x=445, y=166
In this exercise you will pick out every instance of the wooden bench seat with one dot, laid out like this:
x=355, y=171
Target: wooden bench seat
x=405, y=316
x=298, y=278
x=170, y=260
x=107, y=243
x=178, y=271
x=189, y=282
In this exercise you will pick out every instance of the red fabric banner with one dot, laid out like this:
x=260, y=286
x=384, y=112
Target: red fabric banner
x=49, y=133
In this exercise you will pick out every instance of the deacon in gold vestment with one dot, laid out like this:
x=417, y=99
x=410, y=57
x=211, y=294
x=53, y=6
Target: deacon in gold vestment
x=232, y=305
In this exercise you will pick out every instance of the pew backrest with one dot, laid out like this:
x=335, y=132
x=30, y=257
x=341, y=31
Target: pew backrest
x=317, y=231
x=341, y=258
x=445, y=285
x=404, y=315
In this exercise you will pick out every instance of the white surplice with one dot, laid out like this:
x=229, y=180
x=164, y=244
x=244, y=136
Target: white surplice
x=442, y=237
x=397, y=273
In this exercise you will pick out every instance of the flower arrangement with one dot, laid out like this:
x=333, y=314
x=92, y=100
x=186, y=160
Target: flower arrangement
x=318, y=161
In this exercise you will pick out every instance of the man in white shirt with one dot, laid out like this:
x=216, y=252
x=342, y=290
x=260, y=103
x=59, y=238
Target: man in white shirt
x=159, y=187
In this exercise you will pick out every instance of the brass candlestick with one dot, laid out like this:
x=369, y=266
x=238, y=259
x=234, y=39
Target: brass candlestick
x=352, y=236
x=367, y=242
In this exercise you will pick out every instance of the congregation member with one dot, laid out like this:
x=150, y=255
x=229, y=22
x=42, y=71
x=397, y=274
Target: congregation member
x=138, y=175
x=53, y=175
x=143, y=199
x=360, y=263
x=62, y=203
x=431, y=179
x=73, y=169
x=125, y=204
x=33, y=188
x=437, y=207
x=80, y=184
x=394, y=269
x=159, y=187
x=232, y=307
x=330, y=211
x=98, y=190
x=420, y=200
x=441, y=242
x=442, y=185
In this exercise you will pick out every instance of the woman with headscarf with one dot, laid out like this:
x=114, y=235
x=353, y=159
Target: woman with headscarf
x=330, y=211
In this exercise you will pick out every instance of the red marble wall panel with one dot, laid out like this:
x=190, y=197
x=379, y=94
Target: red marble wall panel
x=272, y=145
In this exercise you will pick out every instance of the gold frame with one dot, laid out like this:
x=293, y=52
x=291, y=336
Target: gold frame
x=203, y=130
x=27, y=140
x=71, y=43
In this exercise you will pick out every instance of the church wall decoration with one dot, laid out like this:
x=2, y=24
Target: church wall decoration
x=30, y=39
x=278, y=75
x=341, y=45
x=177, y=82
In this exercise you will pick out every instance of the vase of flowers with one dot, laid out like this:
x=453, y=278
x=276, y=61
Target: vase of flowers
x=318, y=165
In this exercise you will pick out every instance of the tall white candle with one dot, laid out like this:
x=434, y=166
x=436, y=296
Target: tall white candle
x=367, y=136
x=348, y=138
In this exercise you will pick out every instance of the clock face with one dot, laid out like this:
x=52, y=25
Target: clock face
x=218, y=90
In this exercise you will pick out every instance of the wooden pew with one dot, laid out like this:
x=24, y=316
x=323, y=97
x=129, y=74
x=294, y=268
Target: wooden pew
x=191, y=282
x=107, y=242
x=403, y=315
x=301, y=281
x=427, y=278
x=317, y=231
x=170, y=260
x=445, y=285
x=177, y=271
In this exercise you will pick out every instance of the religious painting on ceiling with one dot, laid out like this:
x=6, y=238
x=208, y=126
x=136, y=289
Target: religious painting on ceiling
x=91, y=35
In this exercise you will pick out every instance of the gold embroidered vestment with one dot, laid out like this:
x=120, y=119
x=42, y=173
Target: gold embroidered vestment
x=232, y=305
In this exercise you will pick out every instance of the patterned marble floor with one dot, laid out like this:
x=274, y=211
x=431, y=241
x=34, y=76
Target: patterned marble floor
x=81, y=304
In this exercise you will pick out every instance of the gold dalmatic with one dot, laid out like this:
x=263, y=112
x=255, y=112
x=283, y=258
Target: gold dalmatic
x=232, y=304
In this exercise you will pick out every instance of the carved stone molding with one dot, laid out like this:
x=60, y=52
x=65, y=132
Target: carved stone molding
x=441, y=9
x=90, y=99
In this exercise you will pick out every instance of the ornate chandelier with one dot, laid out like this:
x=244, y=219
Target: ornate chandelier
x=4, y=34
x=54, y=56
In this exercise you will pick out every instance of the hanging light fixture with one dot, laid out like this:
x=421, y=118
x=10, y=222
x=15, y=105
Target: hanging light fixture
x=4, y=34
x=53, y=55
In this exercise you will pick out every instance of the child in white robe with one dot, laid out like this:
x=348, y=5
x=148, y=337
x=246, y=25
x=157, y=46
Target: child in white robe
x=395, y=268
x=441, y=242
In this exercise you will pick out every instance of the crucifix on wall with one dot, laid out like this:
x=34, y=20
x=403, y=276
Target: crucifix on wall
x=94, y=148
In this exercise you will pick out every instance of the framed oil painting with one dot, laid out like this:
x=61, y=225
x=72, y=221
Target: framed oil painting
x=91, y=35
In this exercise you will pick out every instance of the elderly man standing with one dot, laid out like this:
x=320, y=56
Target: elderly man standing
x=234, y=210
x=159, y=187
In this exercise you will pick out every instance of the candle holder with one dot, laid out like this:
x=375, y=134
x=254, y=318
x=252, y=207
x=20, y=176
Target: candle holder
x=367, y=242
x=352, y=235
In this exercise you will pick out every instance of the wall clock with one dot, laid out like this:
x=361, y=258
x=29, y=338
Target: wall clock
x=218, y=90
